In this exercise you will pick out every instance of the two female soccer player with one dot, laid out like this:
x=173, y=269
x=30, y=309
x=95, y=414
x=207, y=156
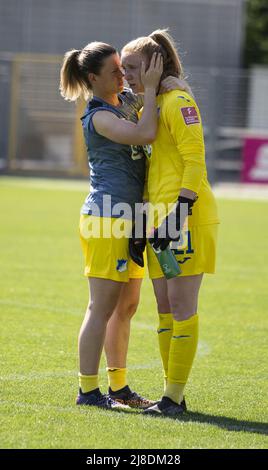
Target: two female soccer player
x=177, y=175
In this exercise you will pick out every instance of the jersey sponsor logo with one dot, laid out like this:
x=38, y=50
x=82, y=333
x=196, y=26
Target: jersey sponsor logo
x=184, y=260
x=184, y=98
x=147, y=148
x=121, y=265
x=137, y=152
x=190, y=115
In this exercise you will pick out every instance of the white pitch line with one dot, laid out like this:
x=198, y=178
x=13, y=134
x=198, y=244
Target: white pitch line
x=41, y=307
x=70, y=373
x=143, y=326
x=43, y=183
x=66, y=409
x=123, y=414
x=120, y=414
x=38, y=407
x=241, y=192
x=203, y=350
x=232, y=191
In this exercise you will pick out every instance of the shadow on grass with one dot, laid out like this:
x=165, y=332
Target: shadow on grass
x=230, y=424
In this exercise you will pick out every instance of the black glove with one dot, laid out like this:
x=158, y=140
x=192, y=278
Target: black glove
x=137, y=244
x=162, y=236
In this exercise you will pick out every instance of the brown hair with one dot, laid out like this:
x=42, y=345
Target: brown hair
x=77, y=64
x=158, y=41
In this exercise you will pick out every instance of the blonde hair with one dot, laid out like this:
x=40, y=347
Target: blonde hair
x=77, y=64
x=158, y=41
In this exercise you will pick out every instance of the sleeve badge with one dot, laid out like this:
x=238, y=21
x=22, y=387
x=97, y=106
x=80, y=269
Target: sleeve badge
x=190, y=115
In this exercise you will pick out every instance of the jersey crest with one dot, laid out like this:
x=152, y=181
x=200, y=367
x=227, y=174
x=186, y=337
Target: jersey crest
x=121, y=265
x=190, y=115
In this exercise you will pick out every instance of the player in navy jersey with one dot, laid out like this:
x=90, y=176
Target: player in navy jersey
x=117, y=172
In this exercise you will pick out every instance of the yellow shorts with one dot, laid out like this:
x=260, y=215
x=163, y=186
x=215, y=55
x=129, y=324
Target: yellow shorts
x=106, y=255
x=196, y=253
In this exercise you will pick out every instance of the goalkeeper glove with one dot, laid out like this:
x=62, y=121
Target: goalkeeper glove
x=164, y=234
x=137, y=244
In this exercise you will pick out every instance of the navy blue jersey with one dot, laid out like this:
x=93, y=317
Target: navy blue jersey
x=116, y=170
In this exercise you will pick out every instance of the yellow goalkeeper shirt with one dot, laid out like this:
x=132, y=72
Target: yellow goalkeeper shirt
x=177, y=158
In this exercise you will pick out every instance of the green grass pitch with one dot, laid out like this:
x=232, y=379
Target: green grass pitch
x=43, y=296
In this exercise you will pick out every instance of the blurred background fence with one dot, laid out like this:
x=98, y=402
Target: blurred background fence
x=43, y=130
x=41, y=134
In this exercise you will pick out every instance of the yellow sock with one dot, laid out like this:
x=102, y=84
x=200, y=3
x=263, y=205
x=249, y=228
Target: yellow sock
x=117, y=378
x=87, y=383
x=165, y=331
x=182, y=351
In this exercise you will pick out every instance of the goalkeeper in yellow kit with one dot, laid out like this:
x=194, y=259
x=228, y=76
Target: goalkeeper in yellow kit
x=177, y=175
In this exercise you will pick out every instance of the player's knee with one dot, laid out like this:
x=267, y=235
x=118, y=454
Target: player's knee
x=163, y=305
x=182, y=315
x=94, y=311
x=182, y=309
x=129, y=309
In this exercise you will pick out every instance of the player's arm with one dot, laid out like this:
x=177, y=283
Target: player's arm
x=125, y=132
x=184, y=192
x=173, y=83
x=167, y=84
x=186, y=129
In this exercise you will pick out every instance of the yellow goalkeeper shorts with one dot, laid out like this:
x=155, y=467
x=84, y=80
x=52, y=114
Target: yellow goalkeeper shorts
x=195, y=252
x=105, y=247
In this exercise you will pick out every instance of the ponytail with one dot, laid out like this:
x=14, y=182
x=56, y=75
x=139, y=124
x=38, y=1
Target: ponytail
x=172, y=62
x=72, y=82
